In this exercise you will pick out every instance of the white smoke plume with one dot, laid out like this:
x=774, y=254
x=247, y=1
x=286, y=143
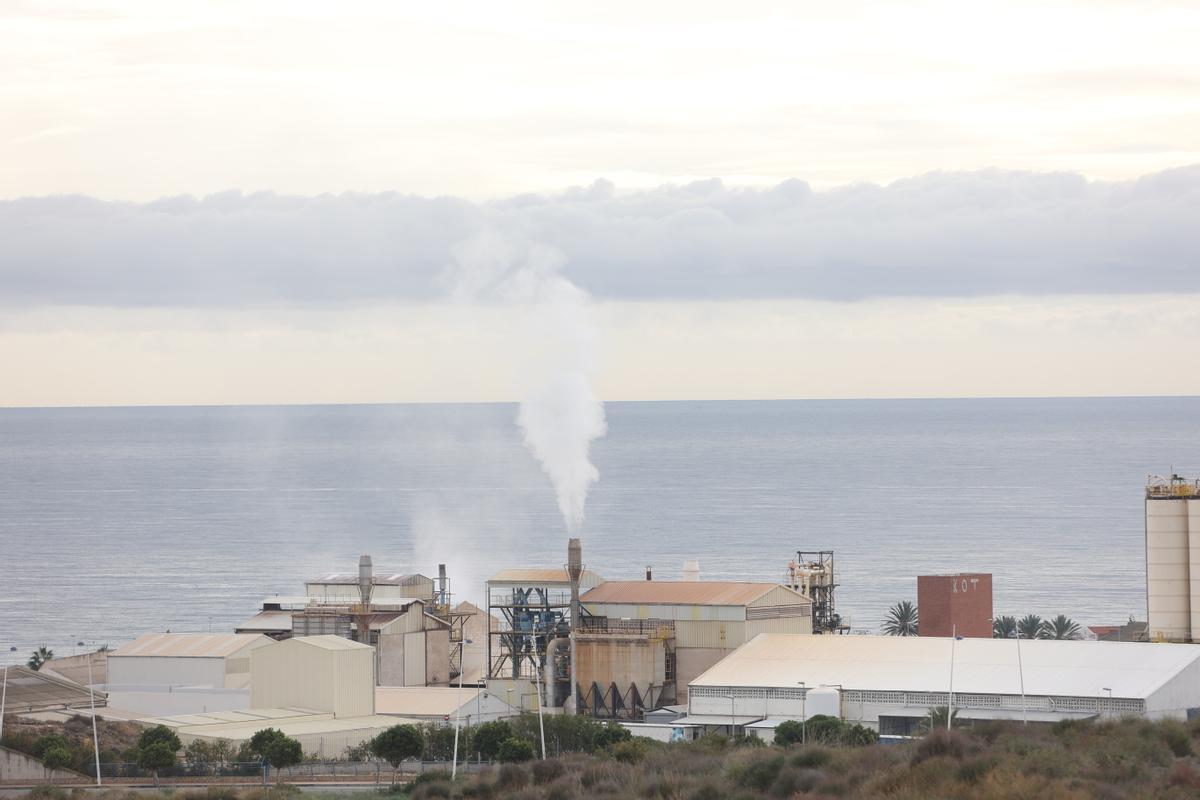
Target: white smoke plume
x=560, y=415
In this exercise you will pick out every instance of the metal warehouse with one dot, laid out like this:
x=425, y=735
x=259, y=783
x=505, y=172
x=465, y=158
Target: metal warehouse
x=892, y=683
x=705, y=620
x=185, y=659
x=321, y=673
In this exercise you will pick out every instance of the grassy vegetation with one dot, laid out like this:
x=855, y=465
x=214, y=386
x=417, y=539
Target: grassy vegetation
x=1118, y=760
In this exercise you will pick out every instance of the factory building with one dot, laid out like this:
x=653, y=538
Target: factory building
x=322, y=673
x=342, y=588
x=1173, y=559
x=319, y=690
x=216, y=661
x=891, y=683
x=697, y=622
x=442, y=704
x=955, y=605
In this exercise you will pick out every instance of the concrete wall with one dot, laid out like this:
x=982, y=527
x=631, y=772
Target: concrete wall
x=159, y=701
x=19, y=768
x=437, y=657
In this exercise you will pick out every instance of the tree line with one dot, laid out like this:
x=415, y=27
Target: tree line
x=902, y=620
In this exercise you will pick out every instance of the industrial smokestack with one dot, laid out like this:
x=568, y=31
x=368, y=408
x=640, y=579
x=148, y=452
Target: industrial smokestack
x=574, y=571
x=691, y=570
x=648, y=573
x=443, y=593
x=365, y=580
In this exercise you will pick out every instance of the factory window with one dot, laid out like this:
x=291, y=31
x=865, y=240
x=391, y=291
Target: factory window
x=901, y=726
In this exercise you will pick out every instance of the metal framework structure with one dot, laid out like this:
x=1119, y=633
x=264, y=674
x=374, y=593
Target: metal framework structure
x=818, y=565
x=530, y=617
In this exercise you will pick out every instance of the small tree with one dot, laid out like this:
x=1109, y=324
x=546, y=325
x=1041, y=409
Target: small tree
x=396, y=744
x=439, y=742
x=57, y=757
x=1029, y=627
x=901, y=619
x=1004, y=627
x=489, y=736
x=159, y=734
x=283, y=751
x=39, y=658
x=937, y=719
x=158, y=756
x=825, y=729
x=789, y=732
x=515, y=750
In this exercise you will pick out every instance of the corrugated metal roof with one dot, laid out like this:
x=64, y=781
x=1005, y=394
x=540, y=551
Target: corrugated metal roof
x=187, y=645
x=981, y=666
x=29, y=690
x=422, y=701
x=378, y=579
x=689, y=593
x=539, y=575
x=268, y=621
x=328, y=642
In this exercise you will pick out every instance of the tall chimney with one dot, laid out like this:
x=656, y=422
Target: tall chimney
x=443, y=595
x=574, y=571
x=648, y=575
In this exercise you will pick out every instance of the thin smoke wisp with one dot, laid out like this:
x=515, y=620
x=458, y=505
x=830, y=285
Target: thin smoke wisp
x=560, y=415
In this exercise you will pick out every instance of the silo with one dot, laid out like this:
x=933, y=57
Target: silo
x=1193, y=524
x=1168, y=567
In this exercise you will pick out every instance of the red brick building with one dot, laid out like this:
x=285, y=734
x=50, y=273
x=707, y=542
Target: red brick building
x=959, y=603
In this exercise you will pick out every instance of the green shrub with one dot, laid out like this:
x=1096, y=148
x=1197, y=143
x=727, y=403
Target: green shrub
x=1176, y=737
x=431, y=790
x=824, y=728
x=973, y=770
x=486, y=739
x=858, y=736
x=511, y=777
x=940, y=742
x=612, y=733
x=757, y=774
x=57, y=757
x=515, y=750
x=548, y=771
x=48, y=742
x=789, y=732
x=811, y=757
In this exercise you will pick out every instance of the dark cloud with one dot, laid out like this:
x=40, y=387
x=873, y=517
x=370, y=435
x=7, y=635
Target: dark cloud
x=941, y=234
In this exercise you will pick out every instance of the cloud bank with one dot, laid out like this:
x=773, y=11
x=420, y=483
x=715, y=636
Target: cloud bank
x=938, y=235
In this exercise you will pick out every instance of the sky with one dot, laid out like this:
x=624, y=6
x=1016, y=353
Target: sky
x=260, y=202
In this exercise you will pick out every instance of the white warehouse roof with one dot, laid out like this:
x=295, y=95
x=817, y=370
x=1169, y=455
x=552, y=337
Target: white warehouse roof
x=189, y=645
x=981, y=666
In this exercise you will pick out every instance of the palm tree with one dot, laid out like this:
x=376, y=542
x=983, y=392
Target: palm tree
x=901, y=620
x=936, y=719
x=1030, y=627
x=1004, y=627
x=1061, y=627
x=39, y=658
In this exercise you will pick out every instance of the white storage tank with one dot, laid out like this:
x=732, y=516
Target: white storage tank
x=1193, y=524
x=825, y=700
x=1168, y=578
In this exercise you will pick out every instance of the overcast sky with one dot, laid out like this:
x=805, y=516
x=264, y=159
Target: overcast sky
x=257, y=202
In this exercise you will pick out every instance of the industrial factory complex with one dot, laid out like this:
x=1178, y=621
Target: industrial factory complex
x=358, y=652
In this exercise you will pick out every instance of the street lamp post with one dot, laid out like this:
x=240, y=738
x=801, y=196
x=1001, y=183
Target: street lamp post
x=462, y=668
x=95, y=734
x=1106, y=689
x=803, y=713
x=1021, y=672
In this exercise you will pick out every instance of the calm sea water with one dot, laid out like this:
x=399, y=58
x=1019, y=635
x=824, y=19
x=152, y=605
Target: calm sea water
x=114, y=522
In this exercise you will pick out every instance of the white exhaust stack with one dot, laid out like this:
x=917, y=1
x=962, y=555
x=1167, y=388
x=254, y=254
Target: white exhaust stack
x=691, y=570
x=574, y=571
x=365, y=580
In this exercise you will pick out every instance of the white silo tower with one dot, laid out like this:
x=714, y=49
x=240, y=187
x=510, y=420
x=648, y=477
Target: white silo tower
x=1173, y=559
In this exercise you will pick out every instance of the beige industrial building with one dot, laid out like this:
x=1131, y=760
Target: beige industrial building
x=216, y=661
x=1173, y=559
x=469, y=705
x=891, y=682
x=666, y=633
x=323, y=673
x=318, y=689
x=338, y=588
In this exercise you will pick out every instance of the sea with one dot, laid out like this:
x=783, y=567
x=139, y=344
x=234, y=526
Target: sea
x=120, y=521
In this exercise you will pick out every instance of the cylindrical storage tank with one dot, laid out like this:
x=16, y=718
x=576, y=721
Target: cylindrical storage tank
x=1168, y=574
x=823, y=700
x=691, y=570
x=1193, y=505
